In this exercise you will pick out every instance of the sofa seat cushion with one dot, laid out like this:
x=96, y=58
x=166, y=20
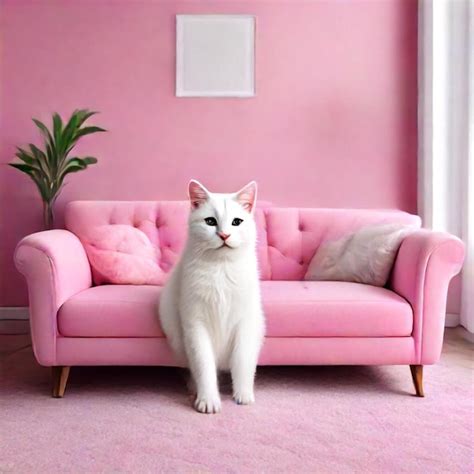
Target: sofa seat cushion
x=334, y=309
x=292, y=309
x=112, y=311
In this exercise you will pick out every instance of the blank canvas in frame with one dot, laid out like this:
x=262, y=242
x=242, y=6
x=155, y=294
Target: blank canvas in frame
x=215, y=55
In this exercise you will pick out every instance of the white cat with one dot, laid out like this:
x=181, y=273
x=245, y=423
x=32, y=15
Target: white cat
x=210, y=308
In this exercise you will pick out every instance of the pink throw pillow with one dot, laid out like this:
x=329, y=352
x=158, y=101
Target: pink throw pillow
x=123, y=255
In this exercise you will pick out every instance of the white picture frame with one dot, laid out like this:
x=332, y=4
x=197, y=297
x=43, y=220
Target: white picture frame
x=215, y=55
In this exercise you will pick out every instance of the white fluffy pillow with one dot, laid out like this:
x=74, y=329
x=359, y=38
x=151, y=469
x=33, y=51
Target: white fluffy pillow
x=365, y=256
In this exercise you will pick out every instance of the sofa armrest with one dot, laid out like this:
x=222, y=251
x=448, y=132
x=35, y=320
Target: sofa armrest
x=424, y=266
x=56, y=267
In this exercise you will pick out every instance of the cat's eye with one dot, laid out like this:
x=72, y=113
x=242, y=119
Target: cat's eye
x=210, y=221
x=237, y=221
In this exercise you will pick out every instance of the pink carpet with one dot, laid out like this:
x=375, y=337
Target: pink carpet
x=318, y=419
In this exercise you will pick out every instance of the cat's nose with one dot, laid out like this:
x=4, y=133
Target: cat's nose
x=223, y=236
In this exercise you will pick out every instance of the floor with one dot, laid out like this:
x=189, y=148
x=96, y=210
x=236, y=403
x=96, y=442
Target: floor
x=306, y=419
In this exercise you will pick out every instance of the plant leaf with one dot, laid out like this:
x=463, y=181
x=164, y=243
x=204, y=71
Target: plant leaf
x=32, y=172
x=28, y=169
x=73, y=168
x=57, y=126
x=49, y=143
x=37, y=153
x=43, y=189
x=70, y=169
x=69, y=132
x=57, y=133
x=88, y=131
x=83, y=115
x=41, y=160
x=74, y=165
x=50, y=155
x=89, y=160
x=44, y=130
x=25, y=156
x=82, y=163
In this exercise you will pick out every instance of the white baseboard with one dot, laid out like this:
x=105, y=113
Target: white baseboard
x=18, y=313
x=452, y=320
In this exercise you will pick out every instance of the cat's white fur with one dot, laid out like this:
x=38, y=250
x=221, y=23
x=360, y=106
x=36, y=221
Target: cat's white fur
x=210, y=308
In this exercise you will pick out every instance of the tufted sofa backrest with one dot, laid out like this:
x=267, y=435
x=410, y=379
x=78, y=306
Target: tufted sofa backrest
x=288, y=237
x=293, y=235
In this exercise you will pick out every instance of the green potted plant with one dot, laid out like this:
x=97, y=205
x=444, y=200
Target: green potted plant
x=48, y=167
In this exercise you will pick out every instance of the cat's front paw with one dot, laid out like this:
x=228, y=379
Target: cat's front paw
x=207, y=404
x=244, y=397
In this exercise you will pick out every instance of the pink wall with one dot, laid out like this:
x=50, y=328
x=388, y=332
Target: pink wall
x=333, y=124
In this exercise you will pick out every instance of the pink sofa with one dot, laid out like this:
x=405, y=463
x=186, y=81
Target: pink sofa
x=76, y=323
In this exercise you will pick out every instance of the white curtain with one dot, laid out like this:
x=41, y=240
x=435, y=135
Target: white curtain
x=446, y=129
x=467, y=300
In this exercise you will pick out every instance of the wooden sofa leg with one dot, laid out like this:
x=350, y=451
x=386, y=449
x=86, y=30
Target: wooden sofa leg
x=417, y=376
x=60, y=376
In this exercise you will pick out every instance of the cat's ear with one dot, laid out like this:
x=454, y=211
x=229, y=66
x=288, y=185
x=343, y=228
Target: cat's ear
x=247, y=196
x=198, y=194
